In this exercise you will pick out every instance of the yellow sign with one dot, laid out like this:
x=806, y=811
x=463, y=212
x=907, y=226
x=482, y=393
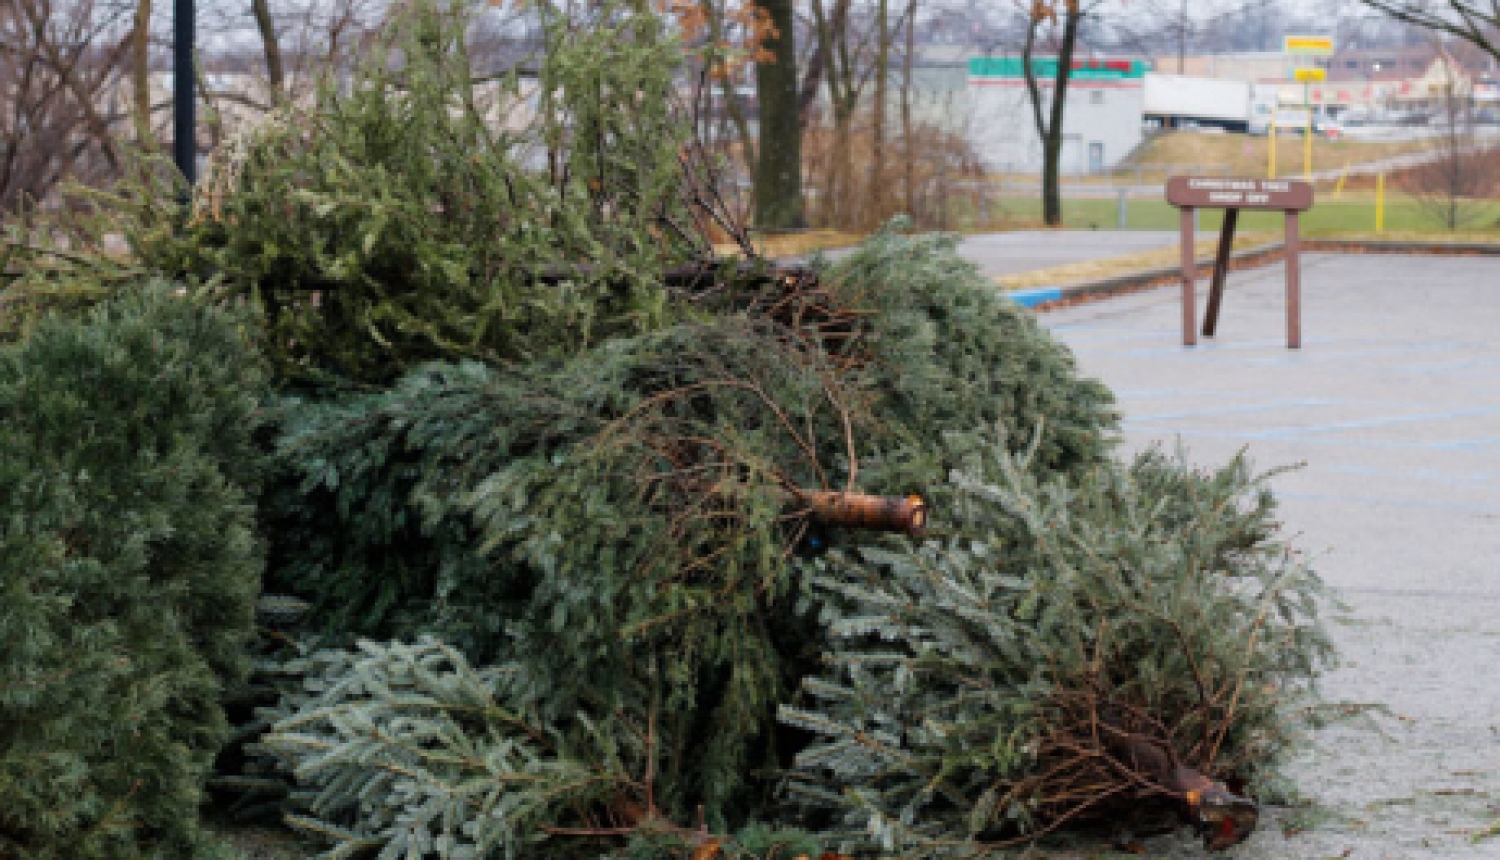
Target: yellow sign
x=1320, y=46
x=1308, y=76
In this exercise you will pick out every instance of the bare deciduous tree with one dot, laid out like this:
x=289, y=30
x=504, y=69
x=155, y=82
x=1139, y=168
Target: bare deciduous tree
x=1474, y=21
x=1459, y=183
x=1047, y=113
x=60, y=79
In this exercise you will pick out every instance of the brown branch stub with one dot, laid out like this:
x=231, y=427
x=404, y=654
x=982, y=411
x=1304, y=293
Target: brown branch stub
x=1221, y=816
x=900, y=514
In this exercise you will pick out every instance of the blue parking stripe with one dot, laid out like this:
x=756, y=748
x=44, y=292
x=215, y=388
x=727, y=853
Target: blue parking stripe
x=1032, y=298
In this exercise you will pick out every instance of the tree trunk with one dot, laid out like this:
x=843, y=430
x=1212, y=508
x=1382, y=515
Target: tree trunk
x=140, y=72
x=1455, y=159
x=818, y=65
x=275, y=70
x=909, y=174
x=1050, y=127
x=720, y=70
x=778, y=181
x=875, y=187
x=836, y=75
x=736, y=112
x=1052, y=202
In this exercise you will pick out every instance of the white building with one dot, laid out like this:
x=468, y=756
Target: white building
x=1101, y=115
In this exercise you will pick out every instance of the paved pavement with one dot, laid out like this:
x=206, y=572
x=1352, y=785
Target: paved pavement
x=1394, y=405
x=1028, y=250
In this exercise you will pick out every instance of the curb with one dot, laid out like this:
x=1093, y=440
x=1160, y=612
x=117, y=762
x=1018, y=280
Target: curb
x=1045, y=299
x=1049, y=298
x=1383, y=246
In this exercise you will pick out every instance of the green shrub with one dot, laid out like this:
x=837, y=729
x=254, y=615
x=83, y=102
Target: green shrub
x=128, y=567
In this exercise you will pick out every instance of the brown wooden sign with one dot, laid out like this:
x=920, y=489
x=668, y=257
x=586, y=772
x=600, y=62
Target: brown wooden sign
x=1214, y=192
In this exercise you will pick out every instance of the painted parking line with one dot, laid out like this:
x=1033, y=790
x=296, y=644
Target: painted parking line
x=1464, y=367
x=1427, y=475
x=1228, y=410
x=1032, y=298
x=1387, y=501
x=1467, y=444
x=1212, y=350
x=1450, y=445
x=1370, y=423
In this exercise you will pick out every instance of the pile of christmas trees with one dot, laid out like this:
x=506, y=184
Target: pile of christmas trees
x=554, y=497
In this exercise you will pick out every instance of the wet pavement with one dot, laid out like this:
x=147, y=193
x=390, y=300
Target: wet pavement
x=1029, y=250
x=1393, y=404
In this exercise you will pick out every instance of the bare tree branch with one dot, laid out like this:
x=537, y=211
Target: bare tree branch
x=275, y=70
x=1473, y=21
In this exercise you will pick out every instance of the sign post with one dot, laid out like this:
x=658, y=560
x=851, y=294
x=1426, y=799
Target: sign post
x=1307, y=76
x=1190, y=193
x=1307, y=46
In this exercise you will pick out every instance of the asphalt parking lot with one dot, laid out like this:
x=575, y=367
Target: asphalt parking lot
x=1029, y=250
x=1393, y=404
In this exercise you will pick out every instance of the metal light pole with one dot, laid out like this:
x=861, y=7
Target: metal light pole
x=184, y=104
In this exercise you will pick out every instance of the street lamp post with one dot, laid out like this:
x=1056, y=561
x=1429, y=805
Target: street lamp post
x=184, y=120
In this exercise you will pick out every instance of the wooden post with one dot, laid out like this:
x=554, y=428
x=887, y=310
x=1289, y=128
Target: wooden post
x=1293, y=283
x=1189, y=264
x=1221, y=272
x=1192, y=193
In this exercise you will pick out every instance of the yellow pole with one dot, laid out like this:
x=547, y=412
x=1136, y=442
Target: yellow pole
x=1271, y=150
x=1338, y=190
x=1380, y=203
x=1307, y=138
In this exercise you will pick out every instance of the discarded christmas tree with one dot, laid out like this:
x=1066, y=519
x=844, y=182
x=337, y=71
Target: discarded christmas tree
x=567, y=499
x=1068, y=652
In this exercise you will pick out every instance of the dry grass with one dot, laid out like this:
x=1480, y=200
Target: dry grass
x=1140, y=261
x=793, y=244
x=1243, y=155
x=845, y=193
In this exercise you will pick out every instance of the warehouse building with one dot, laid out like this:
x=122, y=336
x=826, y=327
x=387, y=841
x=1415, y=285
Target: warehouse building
x=1101, y=114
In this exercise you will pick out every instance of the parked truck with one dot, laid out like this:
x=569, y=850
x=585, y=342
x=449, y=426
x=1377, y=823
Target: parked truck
x=1181, y=101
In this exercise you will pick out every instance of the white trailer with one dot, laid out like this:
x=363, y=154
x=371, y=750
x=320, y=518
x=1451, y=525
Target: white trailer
x=1180, y=101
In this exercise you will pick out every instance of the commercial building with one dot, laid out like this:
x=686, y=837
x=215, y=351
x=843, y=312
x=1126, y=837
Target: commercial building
x=1101, y=113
